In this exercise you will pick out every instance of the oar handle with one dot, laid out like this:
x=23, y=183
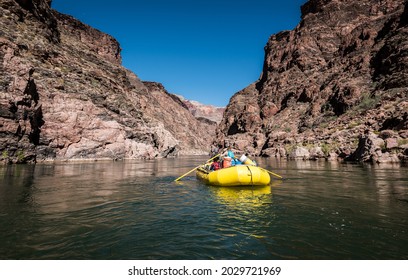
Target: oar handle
x=195, y=168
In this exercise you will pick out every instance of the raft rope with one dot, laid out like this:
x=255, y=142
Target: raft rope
x=252, y=182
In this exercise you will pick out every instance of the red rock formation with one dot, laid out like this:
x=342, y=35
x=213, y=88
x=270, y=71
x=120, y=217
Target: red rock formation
x=341, y=71
x=202, y=111
x=64, y=95
x=97, y=42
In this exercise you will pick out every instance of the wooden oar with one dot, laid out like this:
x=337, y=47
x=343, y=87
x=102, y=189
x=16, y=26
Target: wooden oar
x=196, y=168
x=274, y=174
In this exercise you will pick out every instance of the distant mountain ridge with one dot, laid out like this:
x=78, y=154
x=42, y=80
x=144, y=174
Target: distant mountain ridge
x=200, y=110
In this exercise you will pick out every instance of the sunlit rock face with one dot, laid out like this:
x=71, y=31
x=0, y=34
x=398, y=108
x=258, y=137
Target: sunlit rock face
x=202, y=111
x=341, y=72
x=64, y=95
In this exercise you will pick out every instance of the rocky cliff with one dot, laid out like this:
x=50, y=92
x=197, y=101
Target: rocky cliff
x=64, y=95
x=202, y=111
x=339, y=79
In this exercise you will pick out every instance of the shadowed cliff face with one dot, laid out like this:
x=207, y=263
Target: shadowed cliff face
x=64, y=95
x=341, y=72
x=40, y=9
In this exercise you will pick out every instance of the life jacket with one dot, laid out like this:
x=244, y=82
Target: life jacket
x=227, y=162
x=215, y=165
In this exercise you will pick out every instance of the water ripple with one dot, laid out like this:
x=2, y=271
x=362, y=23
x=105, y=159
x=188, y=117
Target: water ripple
x=134, y=210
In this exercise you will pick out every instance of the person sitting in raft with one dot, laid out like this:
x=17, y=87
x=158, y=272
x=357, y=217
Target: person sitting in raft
x=228, y=153
x=216, y=164
x=229, y=158
x=214, y=150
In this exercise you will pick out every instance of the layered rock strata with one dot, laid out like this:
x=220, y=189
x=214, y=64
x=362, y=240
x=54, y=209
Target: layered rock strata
x=64, y=95
x=202, y=111
x=340, y=75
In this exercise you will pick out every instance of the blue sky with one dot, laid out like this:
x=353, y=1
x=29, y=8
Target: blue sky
x=205, y=50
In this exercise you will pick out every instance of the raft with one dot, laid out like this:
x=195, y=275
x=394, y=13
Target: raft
x=238, y=175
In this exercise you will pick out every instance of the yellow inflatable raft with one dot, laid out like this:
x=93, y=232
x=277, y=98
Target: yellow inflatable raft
x=238, y=175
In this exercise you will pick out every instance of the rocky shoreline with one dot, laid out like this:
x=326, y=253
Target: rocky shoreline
x=371, y=147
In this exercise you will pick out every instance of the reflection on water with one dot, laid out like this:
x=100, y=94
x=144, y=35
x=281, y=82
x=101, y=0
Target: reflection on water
x=135, y=210
x=244, y=197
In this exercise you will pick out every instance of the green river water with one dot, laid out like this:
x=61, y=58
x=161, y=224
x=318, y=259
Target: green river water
x=135, y=210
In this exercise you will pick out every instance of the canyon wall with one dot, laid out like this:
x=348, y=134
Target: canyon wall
x=334, y=83
x=64, y=95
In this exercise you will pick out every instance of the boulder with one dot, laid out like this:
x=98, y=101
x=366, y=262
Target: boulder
x=369, y=148
x=316, y=152
x=391, y=143
x=299, y=153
